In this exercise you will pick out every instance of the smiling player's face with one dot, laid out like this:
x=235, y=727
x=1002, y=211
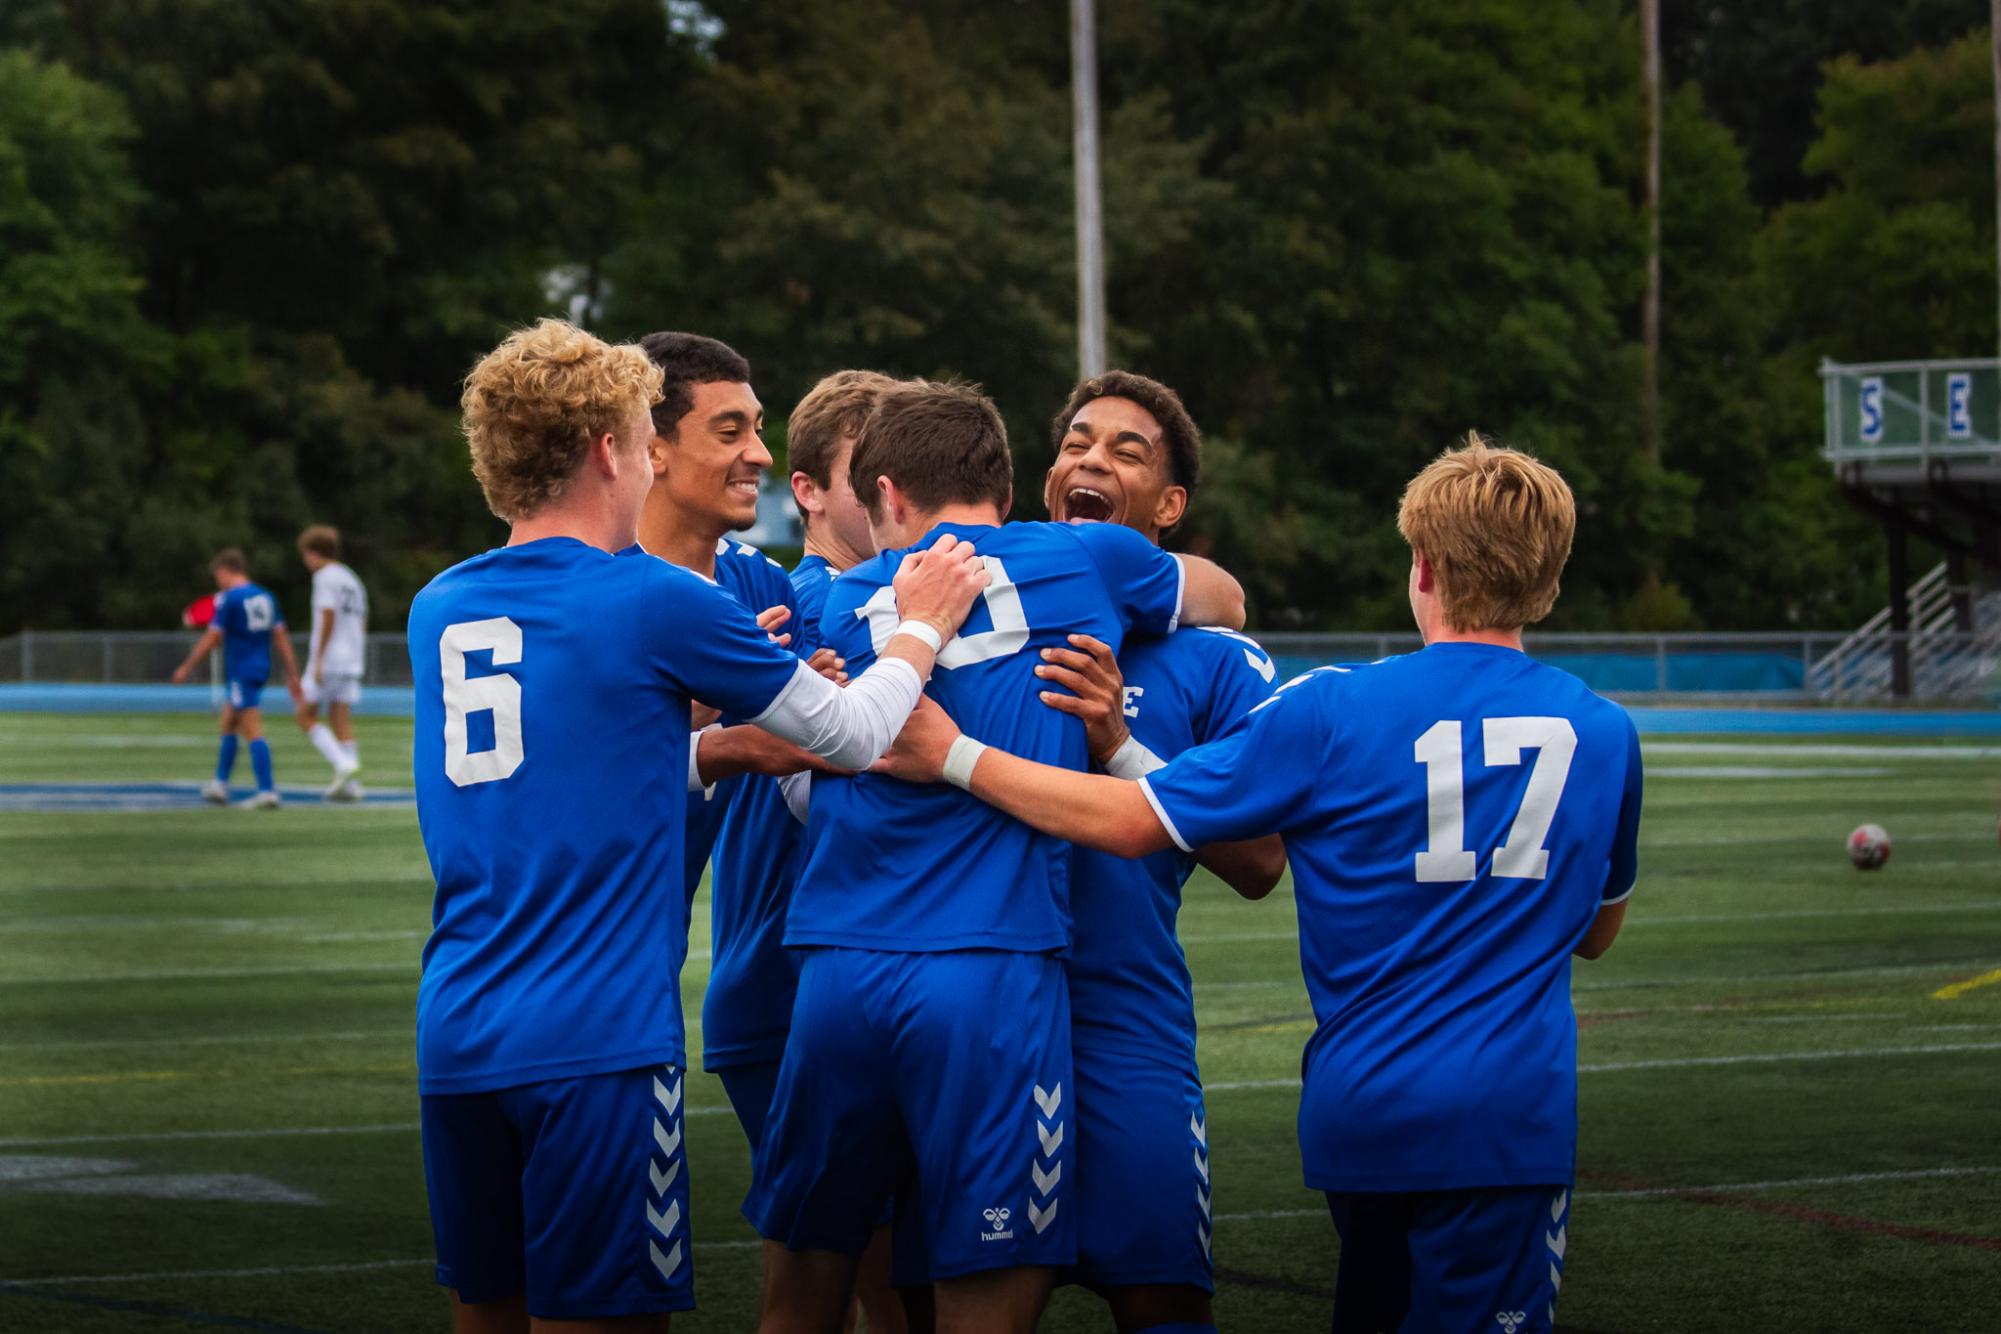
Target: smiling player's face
x=1113, y=467
x=716, y=455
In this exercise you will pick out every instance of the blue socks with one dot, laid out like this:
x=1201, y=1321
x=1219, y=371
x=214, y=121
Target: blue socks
x=225, y=757
x=260, y=760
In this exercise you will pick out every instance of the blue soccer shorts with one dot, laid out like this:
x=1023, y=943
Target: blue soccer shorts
x=1488, y=1259
x=950, y=1068
x=1142, y=1135
x=574, y=1191
x=245, y=691
x=750, y=1089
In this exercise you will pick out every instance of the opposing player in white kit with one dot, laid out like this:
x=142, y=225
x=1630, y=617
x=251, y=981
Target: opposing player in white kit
x=334, y=660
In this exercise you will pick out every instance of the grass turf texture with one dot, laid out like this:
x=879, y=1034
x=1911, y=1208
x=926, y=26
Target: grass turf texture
x=175, y=983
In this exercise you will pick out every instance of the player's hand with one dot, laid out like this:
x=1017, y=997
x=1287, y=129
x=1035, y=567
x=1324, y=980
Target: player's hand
x=747, y=749
x=701, y=715
x=938, y=585
x=297, y=691
x=918, y=754
x=770, y=619
x=181, y=674
x=1097, y=692
x=830, y=665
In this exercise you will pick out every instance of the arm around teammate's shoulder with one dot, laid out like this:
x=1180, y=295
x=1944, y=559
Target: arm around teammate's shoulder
x=1210, y=594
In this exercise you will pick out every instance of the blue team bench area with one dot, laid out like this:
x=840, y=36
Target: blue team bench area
x=1652, y=720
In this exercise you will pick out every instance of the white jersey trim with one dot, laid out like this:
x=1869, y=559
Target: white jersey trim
x=1166, y=822
x=849, y=727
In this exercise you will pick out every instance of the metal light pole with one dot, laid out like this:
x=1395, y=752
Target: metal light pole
x=1994, y=27
x=1090, y=212
x=1650, y=319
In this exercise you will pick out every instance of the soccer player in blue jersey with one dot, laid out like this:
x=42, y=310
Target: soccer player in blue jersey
x=931, y=1033
x=553, y=679
x=249, y=627
x=1128, y=453
x=1460, y=822
x=819, y=440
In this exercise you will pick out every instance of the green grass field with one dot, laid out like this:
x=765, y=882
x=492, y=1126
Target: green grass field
x=208, y=1099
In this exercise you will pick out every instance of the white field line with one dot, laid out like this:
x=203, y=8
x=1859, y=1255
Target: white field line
x=284, y=1271
x=409, y=966
x=166, y=1042
x=1768, y=772
x=277, y=1132
x=1684, y=1062
x=1821, y=751
x=1792, y=914
x=1669, y=1192
x=1794, y=975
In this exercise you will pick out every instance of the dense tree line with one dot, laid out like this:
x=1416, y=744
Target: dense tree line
x=246, y=252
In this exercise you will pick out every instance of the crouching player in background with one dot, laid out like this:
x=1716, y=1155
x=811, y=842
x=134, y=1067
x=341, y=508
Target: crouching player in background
x=552, y=758
x=1127, y=453
x=248, y=626
x=931, y=1033
x=1460, y=821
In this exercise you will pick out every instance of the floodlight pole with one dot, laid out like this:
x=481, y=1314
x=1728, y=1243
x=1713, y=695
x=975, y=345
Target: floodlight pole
x=1650, y=317
x=1994, y=30
x=1090, y=211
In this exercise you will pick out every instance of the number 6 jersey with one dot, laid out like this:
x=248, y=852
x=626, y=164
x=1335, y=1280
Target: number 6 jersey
x=551, y=758
x=924, y=867
x=1454, y=818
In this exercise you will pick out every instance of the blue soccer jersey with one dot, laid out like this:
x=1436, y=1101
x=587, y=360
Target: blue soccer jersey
x=920, y=867
x=1455, y=818
x=1129, y=987
x=246, y=615
x=747, y=1008
x=551, y=763
x=811, y=578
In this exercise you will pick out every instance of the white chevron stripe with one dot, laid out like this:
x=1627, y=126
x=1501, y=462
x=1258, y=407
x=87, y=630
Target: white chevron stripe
x=1556, y=1206
x=1558, y=1240
x=1202, y=1198
x=1555, y=1276
x=668, y=1264
x=665, y=1223
x=1049, y=1102
x=1201, y=1165
x=1045, y=1182
x=1203, y=1233
x=1050, y=1143
x=1198, y=1130
x=669, y=1144
x=1041, y=1218
x=670, y=1099
x=662, y=1180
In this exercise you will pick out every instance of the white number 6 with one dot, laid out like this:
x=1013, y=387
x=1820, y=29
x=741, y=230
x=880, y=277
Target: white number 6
x=499, y=694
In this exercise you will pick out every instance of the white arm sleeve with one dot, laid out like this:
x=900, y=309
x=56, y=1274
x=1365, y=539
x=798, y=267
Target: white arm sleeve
x=695, y=783
x=848, y=727
x=797, y=789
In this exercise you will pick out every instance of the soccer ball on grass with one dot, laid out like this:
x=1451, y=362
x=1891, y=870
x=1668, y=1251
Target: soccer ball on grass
x=1868, y=847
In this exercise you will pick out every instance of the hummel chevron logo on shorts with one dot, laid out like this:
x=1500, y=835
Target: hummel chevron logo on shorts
x=1046, y=1176
x=662, y=1174
x=1200, y=1130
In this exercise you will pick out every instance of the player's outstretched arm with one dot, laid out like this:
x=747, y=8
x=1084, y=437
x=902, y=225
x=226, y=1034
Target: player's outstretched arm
x=1095, y=810
x=281, y=644
x=1210, y=594
x=203, y=647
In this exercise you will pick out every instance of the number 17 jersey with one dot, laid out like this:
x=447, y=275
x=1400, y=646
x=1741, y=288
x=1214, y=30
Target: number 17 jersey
x=1455, y=819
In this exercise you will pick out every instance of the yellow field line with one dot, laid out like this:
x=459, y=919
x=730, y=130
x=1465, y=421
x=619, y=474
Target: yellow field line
x=1958, y=989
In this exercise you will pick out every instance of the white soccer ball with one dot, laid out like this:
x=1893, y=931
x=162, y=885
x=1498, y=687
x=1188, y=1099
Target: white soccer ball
x=1868, y=847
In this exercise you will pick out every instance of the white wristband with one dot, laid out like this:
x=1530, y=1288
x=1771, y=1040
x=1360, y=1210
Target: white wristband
x=920, y=630
x=1133, y=760
x=959, y=762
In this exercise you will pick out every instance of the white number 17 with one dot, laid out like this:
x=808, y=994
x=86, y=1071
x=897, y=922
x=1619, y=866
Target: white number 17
x=1523, y=856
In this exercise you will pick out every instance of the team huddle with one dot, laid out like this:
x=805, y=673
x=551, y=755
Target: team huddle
x=949, y=778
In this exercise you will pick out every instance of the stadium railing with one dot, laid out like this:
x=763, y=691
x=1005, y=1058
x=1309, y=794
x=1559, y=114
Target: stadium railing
x=1746, y=668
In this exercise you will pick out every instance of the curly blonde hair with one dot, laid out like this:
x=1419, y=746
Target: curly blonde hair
x=533, y=404
x=1496, y=526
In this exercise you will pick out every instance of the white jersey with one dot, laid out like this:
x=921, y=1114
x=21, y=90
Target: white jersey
x=336, y=589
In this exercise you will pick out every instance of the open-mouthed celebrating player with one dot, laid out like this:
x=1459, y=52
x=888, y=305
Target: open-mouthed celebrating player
x=932, y=1024
x=1460, y=821
x=553, y=679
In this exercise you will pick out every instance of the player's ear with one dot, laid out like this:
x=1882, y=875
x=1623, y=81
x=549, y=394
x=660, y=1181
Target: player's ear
x=1048, y=491
x=1427, y=578
x=656, y=454
x=1171, y=506
x=806, y=495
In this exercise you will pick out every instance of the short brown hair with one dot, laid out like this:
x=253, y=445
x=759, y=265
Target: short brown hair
x=686, y=360
x=321, y=540
x=1177, y=428
x=534, y=403
x=941, y=443
x=231, y=559
x=1496, y=526
x=833, y=410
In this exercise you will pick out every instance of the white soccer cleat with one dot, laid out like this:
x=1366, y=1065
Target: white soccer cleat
x=215, y=792
x=351, y=790
x=343, y=787
x=263, y=801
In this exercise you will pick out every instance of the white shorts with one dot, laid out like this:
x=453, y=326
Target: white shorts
x=337, y=689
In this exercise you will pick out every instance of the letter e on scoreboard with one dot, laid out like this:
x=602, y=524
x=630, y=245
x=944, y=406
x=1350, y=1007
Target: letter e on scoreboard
x=1959, y=405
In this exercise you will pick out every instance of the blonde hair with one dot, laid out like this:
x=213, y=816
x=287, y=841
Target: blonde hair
x=1496, y=526
x=833, y=410
x=534, y=403
x=321, y=540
